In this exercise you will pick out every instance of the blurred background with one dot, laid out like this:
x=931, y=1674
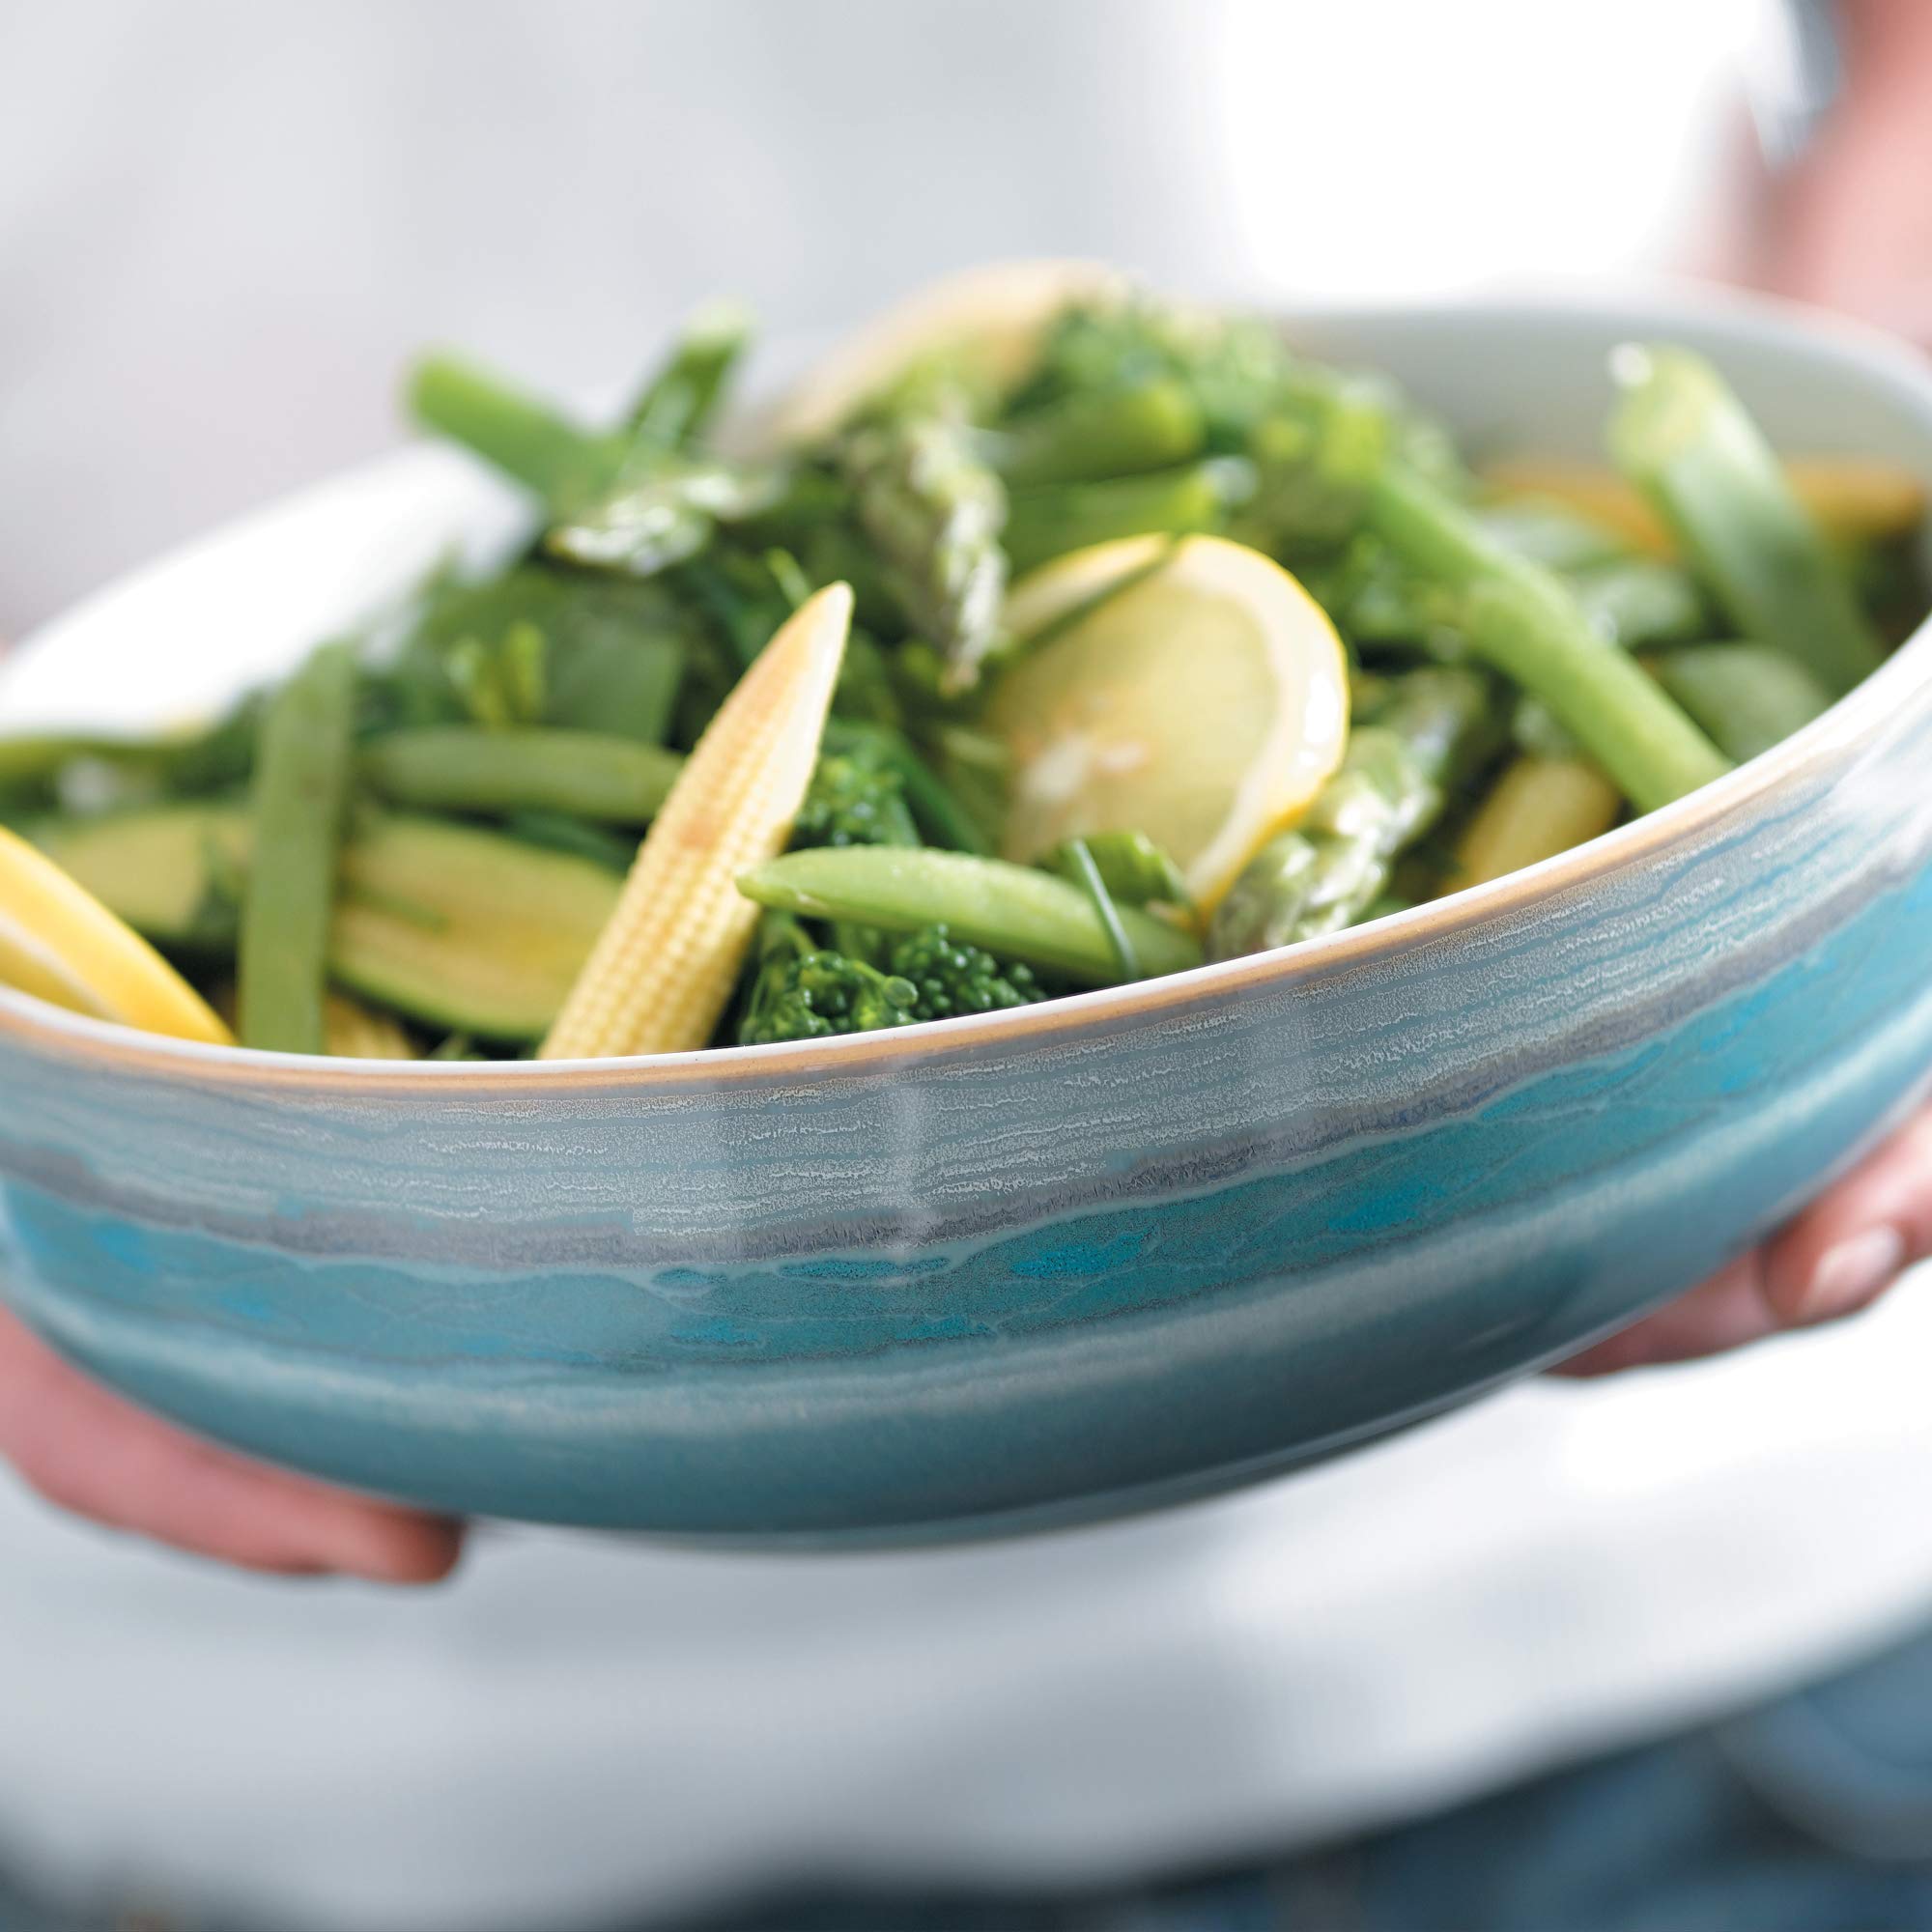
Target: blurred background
x=223, y=228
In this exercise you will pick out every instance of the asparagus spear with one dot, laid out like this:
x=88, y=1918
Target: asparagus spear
x=677, y=405
x=934, y=510
x=1685, y=440
x=1521, y=620
x=1324, y=873
x=1748, y=697
x=618, y=502
x=301, y=784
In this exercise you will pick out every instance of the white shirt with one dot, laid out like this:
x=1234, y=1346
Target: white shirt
x=221, y=229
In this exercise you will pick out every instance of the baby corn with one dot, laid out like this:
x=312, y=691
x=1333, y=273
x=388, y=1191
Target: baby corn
x=660, y=975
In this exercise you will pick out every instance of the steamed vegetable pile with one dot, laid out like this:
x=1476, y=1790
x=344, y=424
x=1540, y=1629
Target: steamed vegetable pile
x=1051, y=636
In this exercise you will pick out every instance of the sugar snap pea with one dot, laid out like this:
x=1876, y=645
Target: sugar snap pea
x=1011, y=910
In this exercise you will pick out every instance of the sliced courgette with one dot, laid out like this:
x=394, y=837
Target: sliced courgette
x=453, y=926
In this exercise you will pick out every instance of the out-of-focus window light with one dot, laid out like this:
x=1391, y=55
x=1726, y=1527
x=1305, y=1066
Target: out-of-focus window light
x=1360, y=160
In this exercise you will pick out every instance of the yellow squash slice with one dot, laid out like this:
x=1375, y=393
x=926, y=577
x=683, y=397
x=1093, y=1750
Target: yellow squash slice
x=61, y=945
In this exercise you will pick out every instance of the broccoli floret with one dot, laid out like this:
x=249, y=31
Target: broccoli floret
x=857, y=798
x=953, y=977
x=804, y=992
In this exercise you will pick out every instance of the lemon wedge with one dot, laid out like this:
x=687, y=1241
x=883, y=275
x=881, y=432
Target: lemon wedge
x=1001, y=309
x=62, y=945
x=1190, y=689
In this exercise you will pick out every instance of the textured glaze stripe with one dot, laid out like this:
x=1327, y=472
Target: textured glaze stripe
x=1738, y=1066
x=1003, y=1422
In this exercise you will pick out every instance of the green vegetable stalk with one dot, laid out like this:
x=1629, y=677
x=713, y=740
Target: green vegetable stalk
x=302, y=786
x=1685, y=440
x=678, y=404
x=1084, y=438
x=939, y=817
x=610, y=780
x=934, y=511
x=552, y=458
x=1748, y=697
x=1324, y=874
x=1048, y=522
x=1518, y=617
x=802, y=991
x=1011, y=911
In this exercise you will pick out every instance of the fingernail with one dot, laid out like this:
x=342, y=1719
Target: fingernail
x=1849, y=1275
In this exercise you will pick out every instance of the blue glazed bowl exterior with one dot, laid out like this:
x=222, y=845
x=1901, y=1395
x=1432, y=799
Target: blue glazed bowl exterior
x=1037, y=1266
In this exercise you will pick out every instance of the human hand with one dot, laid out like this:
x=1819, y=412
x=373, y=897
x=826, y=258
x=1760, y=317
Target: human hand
x=1838, y=1257
x=1850, y=229
x=89, y=1452
x=1850, y=226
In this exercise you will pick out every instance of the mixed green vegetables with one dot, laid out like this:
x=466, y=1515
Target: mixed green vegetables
x=414, y=843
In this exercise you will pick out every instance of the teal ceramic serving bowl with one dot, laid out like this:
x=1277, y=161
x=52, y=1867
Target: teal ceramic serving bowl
x=1036, y=1266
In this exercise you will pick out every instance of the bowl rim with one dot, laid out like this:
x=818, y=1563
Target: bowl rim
x=1640, y=306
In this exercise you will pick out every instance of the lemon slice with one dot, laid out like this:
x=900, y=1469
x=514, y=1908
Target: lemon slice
x=1002, y=309
x=61, y=945
x=1192, y=691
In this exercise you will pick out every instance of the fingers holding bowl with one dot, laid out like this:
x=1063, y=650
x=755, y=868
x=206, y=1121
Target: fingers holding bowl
x=89, y=1452
x=1835, y=1260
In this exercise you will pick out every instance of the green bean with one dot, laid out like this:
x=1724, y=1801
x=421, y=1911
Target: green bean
x=461, y=768
x=1011, y=910
x=526, y=439
x=1520, y=619
x=1748, y=697
x=302, y=786
x=1685, y=440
